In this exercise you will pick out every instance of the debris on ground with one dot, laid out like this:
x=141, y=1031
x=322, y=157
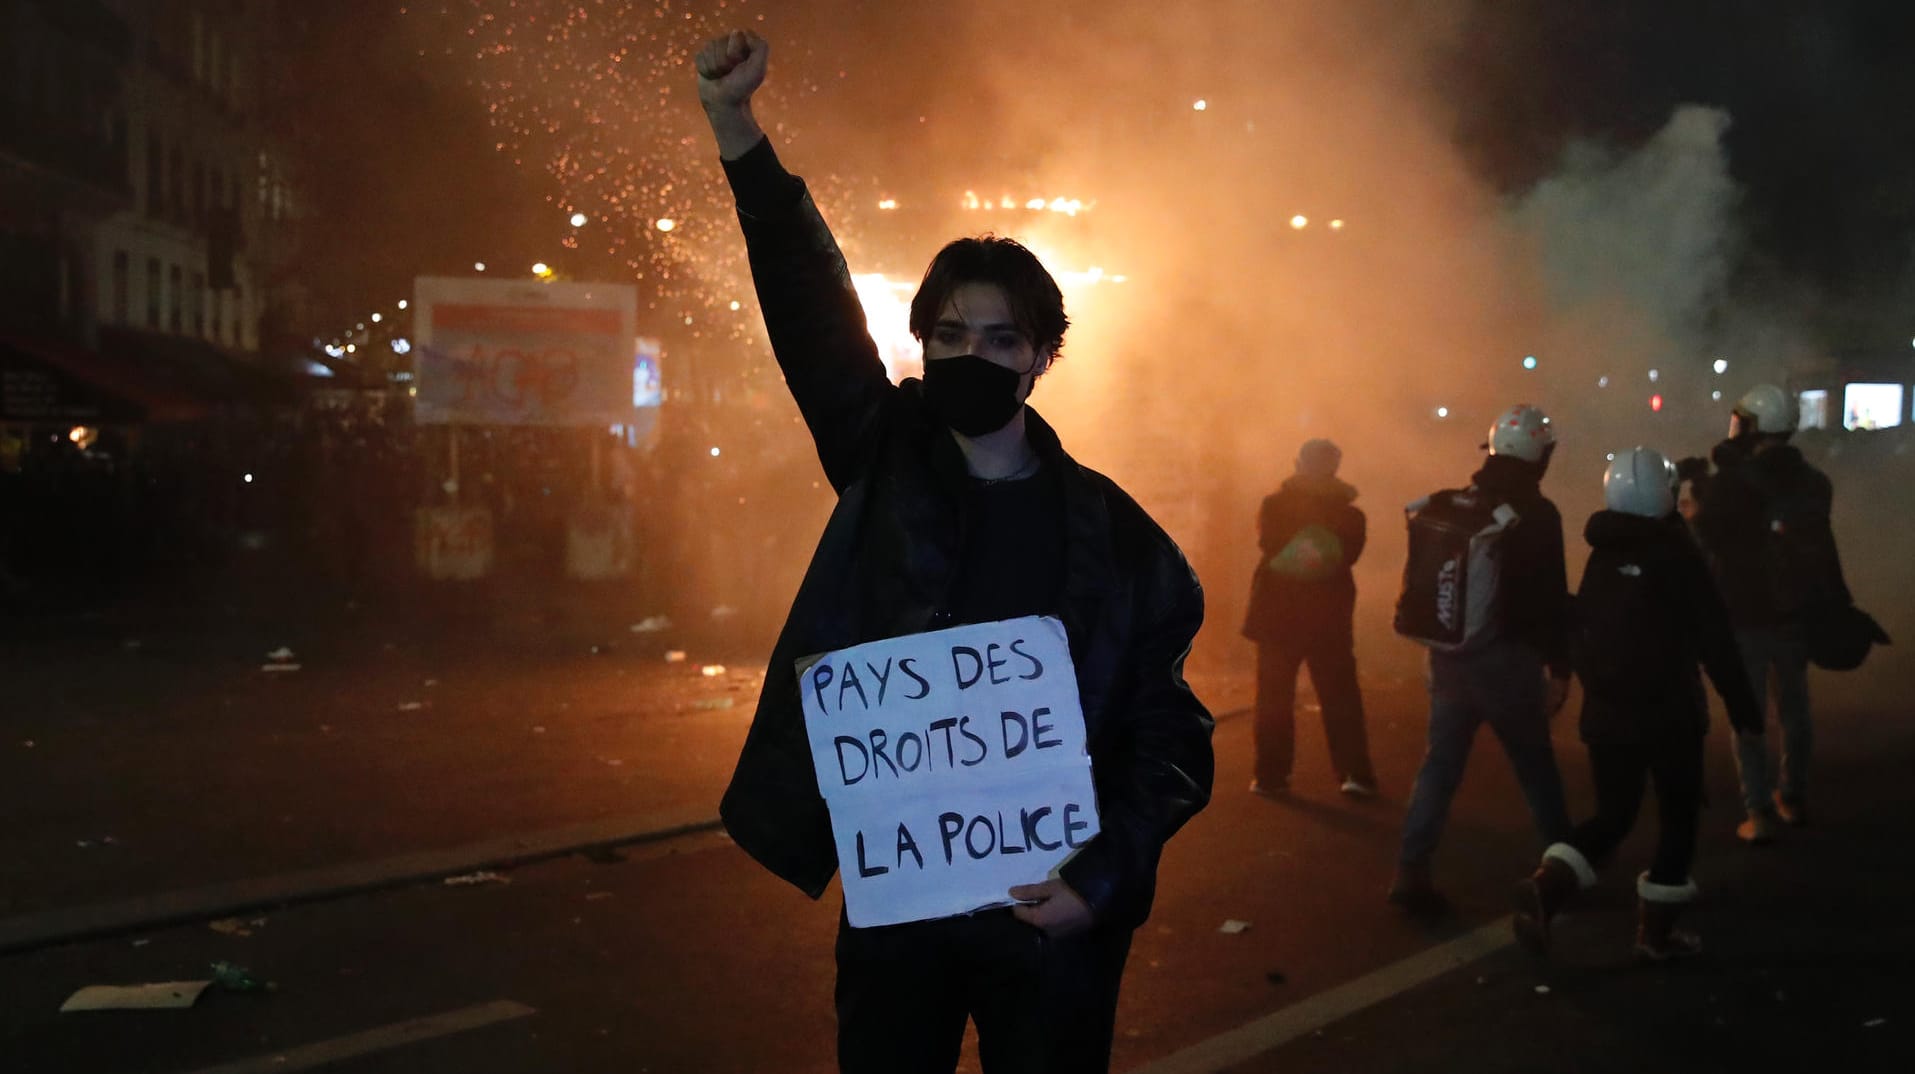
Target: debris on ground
x=411, y=706
x=232, y=926
x=431, y=683
x=163, y=995
x=594, y=896
x=1874, y=1023
x=723, y=611
x=675, y=656
x=651, y=624
x=1233, y=927
x=279, y=667
x=711, y=703
x=234, y=978
x=1542, y=990
x=538, y=729
x=483, y=876
x=712, y=671
x=280, y=655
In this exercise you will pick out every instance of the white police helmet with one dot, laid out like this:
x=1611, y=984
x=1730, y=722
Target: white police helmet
x=1767, y=409
x=1640, y=481
x=1522, y=432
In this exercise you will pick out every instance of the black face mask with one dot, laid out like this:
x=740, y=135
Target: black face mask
x=970, y=394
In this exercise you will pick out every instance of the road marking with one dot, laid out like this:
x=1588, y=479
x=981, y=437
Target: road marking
x=1275, y=1030
x=396, y=1035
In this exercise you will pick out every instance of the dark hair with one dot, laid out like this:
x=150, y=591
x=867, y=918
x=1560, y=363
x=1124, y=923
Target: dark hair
x=1037, y=306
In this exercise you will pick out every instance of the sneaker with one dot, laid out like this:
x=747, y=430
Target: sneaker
x=1756, y=831
x=1413, y=893
x=1356, y=788
x=1270, y=788
x=1790, y=811
x=1677, y=945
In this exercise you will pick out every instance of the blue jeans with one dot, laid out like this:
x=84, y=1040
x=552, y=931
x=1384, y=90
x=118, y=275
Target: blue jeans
x=1785, y=653
x=1502, y=685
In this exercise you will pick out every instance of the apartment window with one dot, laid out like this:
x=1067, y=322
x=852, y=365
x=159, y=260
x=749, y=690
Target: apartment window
x=121, y=270
x=178, y=182
x=155, y=175
x=152, y=292
x=179, y=298
x=199, y=303
x=219, y=316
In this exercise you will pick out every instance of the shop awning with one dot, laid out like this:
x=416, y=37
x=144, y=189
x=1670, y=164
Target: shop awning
x=51, y=381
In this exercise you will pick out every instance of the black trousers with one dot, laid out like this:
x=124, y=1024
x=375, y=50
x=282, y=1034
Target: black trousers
x=1331, y=657
x=1042, y=1006
x=1621, y=774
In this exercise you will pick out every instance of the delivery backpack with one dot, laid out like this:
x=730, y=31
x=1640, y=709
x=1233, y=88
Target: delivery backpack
x=1454, y=569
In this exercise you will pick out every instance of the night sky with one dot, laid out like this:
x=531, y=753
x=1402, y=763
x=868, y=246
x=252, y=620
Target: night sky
x=407, y=180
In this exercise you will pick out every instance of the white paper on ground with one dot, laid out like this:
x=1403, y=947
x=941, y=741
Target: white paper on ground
x=164, y=995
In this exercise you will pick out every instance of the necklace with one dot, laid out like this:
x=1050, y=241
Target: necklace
x=1024, y=471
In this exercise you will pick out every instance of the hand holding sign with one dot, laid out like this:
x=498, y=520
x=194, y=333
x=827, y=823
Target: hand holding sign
x=1053, y=907
x=954, y=765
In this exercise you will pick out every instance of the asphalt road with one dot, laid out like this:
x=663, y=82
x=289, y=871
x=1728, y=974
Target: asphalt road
x=682, y=955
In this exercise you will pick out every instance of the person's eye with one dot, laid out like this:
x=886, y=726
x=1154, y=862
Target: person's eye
x=1006, y=341
x=949, y=337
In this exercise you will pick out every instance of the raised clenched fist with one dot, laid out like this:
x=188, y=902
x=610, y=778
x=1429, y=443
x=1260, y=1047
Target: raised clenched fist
x=730, y=69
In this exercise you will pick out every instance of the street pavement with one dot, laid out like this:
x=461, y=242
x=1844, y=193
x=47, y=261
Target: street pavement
x=682, y=955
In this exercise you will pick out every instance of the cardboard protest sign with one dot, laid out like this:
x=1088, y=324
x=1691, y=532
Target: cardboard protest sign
x=953, y=763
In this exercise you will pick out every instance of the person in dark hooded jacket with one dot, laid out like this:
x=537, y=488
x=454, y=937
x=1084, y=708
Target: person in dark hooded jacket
x=1515, y=681
x=1764, y=519
x=1646, y=614
x=1302, y=607
x=957, y=504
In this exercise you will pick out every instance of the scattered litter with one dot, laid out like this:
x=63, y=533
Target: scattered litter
x=712, y=671
x=1480, y=981
x=280, y=655
x=538, y=729
x=141, y=943
x=723, y=611
x=412, y=706
x=430, y=683
x=651, y=625
x=594, y=896
x=483, y=876
x=675, y=656
x=279, y=667
x=28, y=743
x=164, y=995
x=1874, y=1023
x=132, y=643
x=1233, y=927
x=325, y=729
x=710, y=703
x=1276, y=977
x=229, y=926
x=239, y=979
x=1542, y=990
x=613, y=761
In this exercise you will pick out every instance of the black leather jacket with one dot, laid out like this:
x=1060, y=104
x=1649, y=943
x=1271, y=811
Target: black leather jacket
x=886, y=564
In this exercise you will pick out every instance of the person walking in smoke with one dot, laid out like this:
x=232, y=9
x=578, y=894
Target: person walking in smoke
x=1302, y=608
x=957, y=504
x=1763, y=519
x=1646, y=614
x=1516, y=675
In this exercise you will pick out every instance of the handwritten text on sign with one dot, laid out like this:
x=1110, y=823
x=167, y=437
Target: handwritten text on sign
x=953, y=763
